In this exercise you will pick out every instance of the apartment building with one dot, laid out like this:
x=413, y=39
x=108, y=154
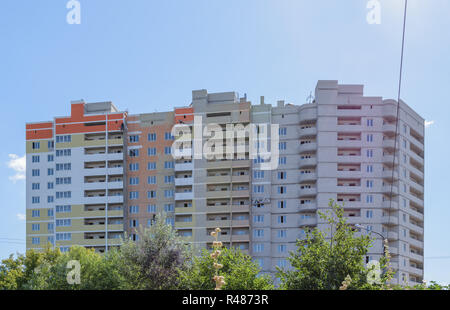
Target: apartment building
x=74, y=178
x=341, y=146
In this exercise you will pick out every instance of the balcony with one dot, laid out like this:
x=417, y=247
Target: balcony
x=307, y=192
x=392, y=220
x=184, y=181
x=184, y=196
x=183, y=210
x=307, y=207
x=307, y=132
x=218, y=179
x=308, y=114
x=308, y=162
x=219, y=223
x=308, y=147
x=240, y=238
x=312, y=221
x=240, y=223
x=307, y=177
x=184, y=166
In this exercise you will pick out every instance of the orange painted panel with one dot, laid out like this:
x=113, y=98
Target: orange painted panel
x=81, y=128
x=39, y=126
x=39, y=134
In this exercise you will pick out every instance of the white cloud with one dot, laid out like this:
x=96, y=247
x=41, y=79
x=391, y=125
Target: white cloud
x=428, y=123
x=18, y=164
x=21, y=216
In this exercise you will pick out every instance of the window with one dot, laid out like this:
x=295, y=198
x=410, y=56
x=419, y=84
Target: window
x=35, y=172
x=258, y=247
x=35, y=213
x=169, y=207
x=63, y=223
x=64, y=209
x=282, y=145
x=134, y=223
x=281, y=219
x=258, y=233
x=281, y=189
x=282, y=233
x=35, y=240
x=281, y=175
x=171, y=221
x=151, y=151
x=258, y=188
x=133, y=152
x=369, y=168
x=369, y=214
x=152, y=137
x=168, y=136
x=151, y=179
x=151, y=194
x=35, y=186
x=61, y=153
x=282, y=160
x=167, y=150
x=282, y=131
x=50, y=227
x=50, y=212
x=151, y=166
x=50, y=158
x=258, y=218
x=134, y=138
x=36, y=227
x=63, y=139
x=370, y=123
x=169, y=165
x=151, y=208
x=66, y=167
x=134, y=181
x=405, y=129
x=35, y=158
x=50, y=185
x=370, y=138
x=369, y=199
x=169, y=179
x=50, y=171
x=36, y=145
x=282, y=263
x=50, y=199
x=134, y=195
x=65, y=180
x=51, y=144
x=63, y=237
x=369, y=153
x=404, y=217
x=66, y=194
x=134, y=167
x=281, y=204
x=258, y=174
x=369, y=183
x=35, y=199
x=168, y=193
x=134, y=209
x=282, y=248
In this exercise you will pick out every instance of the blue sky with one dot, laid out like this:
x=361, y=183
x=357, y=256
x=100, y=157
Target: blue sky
x=148, y=55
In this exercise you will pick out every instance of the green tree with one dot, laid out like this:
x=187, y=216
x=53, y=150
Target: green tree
x=331, y=259
x=16, y=273
x=154, y=260
x=239, y=271
x=97, y=271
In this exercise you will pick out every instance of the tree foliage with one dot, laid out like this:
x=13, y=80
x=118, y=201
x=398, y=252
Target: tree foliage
x=239, y=271
x=324, y=259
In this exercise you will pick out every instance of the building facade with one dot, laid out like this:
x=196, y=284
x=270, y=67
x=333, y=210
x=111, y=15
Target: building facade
x=341, y=146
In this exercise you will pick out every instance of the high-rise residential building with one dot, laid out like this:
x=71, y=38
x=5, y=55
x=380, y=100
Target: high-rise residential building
x=74, y=178
x=340, y=146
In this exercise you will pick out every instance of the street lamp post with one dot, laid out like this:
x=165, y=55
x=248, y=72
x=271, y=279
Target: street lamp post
x=379, y=234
